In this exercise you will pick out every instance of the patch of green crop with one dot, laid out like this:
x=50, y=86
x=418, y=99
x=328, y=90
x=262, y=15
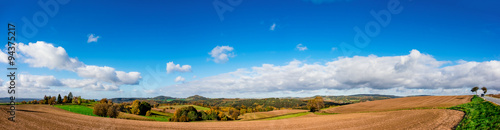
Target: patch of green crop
x=77, y=109
x=479, y=114
x=288, y=116
x=159, y=116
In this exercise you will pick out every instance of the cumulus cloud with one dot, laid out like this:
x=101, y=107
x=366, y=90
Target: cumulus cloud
x=90, y=84
x=171, y=68
x=42, y=54
x=92, y=38
x=47, y=81
x=221, y=54
x=37, y=81
x=3, y=57
x=408, y=72
x=179, y=79
x=272, y=27
x=301, y=47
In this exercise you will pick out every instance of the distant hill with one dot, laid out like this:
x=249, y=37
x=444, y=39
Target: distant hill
x=159, y=99
x=196, y=97
x=376, y=95
x=7, y=99
x=357, y=98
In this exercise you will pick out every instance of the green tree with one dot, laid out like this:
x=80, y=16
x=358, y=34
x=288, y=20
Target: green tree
x=484, y=90
x=70, y=97
x=474, y=89
x=144, y=107
x=59, y=100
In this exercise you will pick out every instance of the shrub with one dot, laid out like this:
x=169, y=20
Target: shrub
x=315, y=104
x=101, y=109
x=186, y=114
x=113, y=111
x=193, y=116
x=148, y=113
x=144, y=107
x=140, y=108
x=135, y=107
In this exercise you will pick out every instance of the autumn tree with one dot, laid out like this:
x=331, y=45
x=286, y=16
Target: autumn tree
x=315, y=104
x=104, y=100
x=101, y=109
x=65, y=100
x=113, y=111
x=135, y=107
x=475, y=89
x=140, y=108
x=52, y=100
x=234, y=113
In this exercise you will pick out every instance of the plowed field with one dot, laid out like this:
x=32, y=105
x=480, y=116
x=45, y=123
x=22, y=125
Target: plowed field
x=423, y=102
x=48, y=117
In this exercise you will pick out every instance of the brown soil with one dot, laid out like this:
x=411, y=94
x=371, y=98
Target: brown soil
x=494, y=95
x=47, y=117
x=422, y=102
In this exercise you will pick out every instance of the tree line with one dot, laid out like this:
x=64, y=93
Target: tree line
x=53, y=100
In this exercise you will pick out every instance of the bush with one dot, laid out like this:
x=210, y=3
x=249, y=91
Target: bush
x=113, y=111
x=101, y=109
x=148, y=113
x=186, y=114
x=193, y=116
x=140, y=108
x=315, y=104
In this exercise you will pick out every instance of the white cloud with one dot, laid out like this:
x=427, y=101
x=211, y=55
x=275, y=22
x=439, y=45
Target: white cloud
x=3, y=57
x=272, y=27
x=90, y=84
x=92, y=38
x=221, y=54
x=407, y=73
x=301, y=47
x=42, y=54
x=171, y=67
x=334, y=48
x=37, y=81
x=179, y=79
x=194, y=76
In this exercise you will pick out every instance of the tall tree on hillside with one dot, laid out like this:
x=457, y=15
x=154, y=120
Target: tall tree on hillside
x=475, y=89
x=484, y=90
x=70, y=97
x=59, y=100
x=315, y=104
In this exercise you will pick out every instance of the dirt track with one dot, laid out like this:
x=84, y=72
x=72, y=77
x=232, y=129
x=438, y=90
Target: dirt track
x=47, y=117
x=402, y=103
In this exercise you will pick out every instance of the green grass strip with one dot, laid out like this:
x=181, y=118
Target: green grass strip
x=288, y=116
x=479, y=114
x=77, y=109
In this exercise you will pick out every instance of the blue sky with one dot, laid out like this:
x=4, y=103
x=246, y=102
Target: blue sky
x=140, y=36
